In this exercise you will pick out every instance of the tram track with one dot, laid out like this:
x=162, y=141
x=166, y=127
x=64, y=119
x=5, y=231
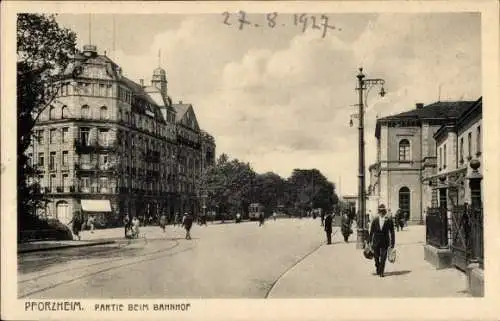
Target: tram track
x=138, y=260
x=95, y=264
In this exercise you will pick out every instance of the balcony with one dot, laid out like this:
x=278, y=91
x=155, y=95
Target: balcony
x=82, y=146
x=96, y=167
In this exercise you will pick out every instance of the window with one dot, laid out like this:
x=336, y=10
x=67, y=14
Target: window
x=41, y=159
x=64, y=112
x=103, y=137
x=103, y=184
x=404, y=200
x=65, y=133
x=65, y=158
x=478, y=140
x=85, y=112
x=41, y=137
x=104, y=160
x=444, y=156
x=52, y=136
x=52, y=112
x=30, y=159
x=85, y=136
x=52, y=183
x=52, y=161
x=404, y=150
x=461, y=150
x=109, y=91
x=469, y=144
x=65, y=182
x=85, y=184
x=85, y=158
x=102, y=90
x=103, y=113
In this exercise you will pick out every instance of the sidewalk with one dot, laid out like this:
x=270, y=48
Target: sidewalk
x=340, y=270
x=99, y=237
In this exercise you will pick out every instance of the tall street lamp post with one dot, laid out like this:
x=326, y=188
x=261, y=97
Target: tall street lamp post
x=363, y=84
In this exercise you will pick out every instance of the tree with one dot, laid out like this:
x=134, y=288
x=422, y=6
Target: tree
x=308, y=189
x=269, y=190
x=44, y=50
x=228, y=185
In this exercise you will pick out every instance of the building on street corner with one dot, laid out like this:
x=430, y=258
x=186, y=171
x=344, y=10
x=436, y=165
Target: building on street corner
x=113, y=147
x=406, y=157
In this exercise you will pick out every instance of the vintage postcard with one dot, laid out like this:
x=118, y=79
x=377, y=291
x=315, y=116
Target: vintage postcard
x=250, y=160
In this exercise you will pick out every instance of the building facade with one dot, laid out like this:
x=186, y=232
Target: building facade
x=110, y=146
x=406, y=157
x=458, y=142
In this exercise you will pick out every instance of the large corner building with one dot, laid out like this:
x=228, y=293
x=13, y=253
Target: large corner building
x=113, y=146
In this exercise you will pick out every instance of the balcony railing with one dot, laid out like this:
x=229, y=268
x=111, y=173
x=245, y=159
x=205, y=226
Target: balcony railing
x=96, y=144
x=437, y=227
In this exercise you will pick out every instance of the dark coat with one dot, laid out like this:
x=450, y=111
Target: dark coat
x=382, y=238
x=346, y=225
x=328, y=223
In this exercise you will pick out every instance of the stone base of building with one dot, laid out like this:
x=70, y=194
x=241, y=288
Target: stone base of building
x=440, y=258
x=475, y=280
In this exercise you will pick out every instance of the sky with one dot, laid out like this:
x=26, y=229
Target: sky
x=281, y=98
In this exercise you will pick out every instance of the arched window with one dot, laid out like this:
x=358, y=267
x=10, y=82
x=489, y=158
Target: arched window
x=85, y=111
x=404, y=200
x=404, y=150
x=52, y=112
x=64, y=112
x=103, y=113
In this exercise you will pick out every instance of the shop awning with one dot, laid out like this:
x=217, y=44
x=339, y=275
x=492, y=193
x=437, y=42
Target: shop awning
x=96, y=206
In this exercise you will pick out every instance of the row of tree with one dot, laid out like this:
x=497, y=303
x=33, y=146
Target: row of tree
x=231, y=186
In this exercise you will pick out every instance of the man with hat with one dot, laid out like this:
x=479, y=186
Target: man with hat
x=381, y=237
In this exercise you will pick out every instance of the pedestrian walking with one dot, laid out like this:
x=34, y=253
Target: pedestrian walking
x=381, y=238
x=126, y=224
x=407, y=218
x=328, y=227
x=400, y=221
x=346, y=227
x=135, y=227
x=163, y=222
x=274, y=216
x=76, y=224
x=91, y=223
x=187, y=221
x=261, y=219
x=322, y=218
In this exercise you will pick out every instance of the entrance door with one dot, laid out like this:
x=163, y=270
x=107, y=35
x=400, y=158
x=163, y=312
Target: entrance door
x=62, y=212
x=404, y=200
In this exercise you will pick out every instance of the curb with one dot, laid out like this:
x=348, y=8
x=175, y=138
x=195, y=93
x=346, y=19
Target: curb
x=58, y=247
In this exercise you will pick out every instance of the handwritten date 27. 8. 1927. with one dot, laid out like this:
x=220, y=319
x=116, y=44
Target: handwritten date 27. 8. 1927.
x=274, y=20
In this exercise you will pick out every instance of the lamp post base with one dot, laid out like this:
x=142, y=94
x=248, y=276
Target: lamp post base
x=361, y=237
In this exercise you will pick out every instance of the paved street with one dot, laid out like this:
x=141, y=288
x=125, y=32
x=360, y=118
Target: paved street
x=285, y=258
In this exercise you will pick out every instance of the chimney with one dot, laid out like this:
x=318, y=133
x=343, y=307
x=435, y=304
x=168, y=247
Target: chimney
x=142, y=82
x=420, y=105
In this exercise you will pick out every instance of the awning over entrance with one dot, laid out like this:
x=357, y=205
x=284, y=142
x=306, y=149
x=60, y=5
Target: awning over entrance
x=96, y=206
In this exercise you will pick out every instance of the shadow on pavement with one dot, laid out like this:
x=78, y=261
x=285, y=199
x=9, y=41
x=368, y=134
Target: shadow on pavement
x=395, y=273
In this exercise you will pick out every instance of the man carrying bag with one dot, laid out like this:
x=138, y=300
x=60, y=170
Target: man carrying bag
x=381, y=238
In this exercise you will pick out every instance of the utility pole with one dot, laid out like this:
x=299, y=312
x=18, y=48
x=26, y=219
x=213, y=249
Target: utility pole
x=362, y=231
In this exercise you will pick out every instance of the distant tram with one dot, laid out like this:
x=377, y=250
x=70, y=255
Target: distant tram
x=255, y=210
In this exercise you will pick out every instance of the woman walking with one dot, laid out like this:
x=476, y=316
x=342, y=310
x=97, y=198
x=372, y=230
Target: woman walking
x=188, y=223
